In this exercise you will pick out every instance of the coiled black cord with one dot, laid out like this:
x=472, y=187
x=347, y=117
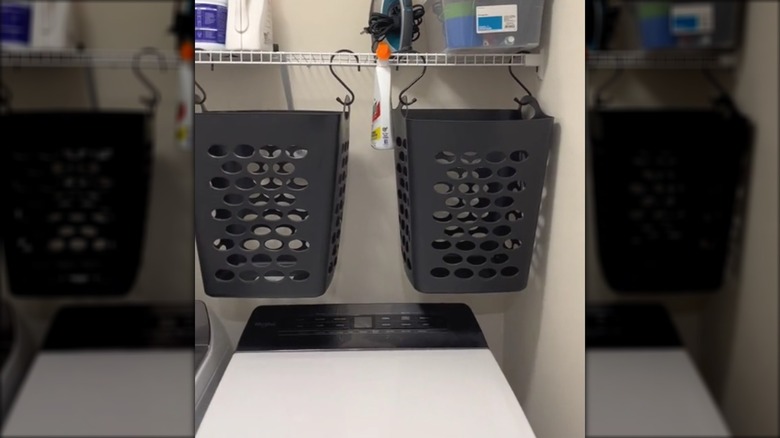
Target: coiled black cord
x=380, y=25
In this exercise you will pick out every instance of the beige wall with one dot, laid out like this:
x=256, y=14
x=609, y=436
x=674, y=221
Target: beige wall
x=165, y=273
x=543, y=328
x=732, y=335
x=369, y=259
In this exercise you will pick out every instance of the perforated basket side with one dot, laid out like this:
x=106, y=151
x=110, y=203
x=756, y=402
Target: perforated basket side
x=74, y=201
x=469, y=187
x=269, y=201
x=665, y=187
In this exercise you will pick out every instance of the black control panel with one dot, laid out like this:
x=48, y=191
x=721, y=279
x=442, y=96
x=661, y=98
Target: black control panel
x=361, y=326
x=629, y=325
x=122, y=327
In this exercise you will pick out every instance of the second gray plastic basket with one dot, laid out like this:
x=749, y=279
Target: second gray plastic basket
x=269, y=198
x=469, y=190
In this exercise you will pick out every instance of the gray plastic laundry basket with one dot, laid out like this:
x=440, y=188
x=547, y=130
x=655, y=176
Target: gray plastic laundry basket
x=269, y=200
x=469, y=190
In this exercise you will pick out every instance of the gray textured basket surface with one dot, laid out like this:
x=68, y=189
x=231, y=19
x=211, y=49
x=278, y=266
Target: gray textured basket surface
x=269, y=199
x=469, y=188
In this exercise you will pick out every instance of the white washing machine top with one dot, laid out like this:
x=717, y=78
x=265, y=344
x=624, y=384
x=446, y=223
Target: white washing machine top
x=212, y=354
x=364, y=370
x=16, y=352
x=641, y=381
x=110, y=371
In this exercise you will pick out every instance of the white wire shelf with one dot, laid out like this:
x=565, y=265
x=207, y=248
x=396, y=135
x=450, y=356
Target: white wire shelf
x=365, y=59
x=101, y=58
x=681, y=60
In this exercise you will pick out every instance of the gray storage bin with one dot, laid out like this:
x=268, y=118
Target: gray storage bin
x=269, y=198
x=469, y=191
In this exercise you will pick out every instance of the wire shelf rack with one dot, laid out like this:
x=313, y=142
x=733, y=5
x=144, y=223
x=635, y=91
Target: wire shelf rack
x=679, y=60
x=102, y=58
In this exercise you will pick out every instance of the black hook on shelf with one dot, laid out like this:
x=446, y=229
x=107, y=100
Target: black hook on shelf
x=152, y=101
x=724, y=99
x=600, y=91
x=402, y=95
x=349, y=99
x=200, y=100
x=512, y=73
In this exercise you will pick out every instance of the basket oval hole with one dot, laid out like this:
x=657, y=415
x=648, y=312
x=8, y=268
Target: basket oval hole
x=440, y=272
x=445, y=157
x=506, y=172
x=468, y=188
x=478, y=232
x=224, y=275
x=480, y=203
x=261, y=260
x=249, y=276
x=441, y=188
x=273, y=244
x=512, y=243
x=271, y=183
x=470, y=158
x=221, y=214
x=272, y=214
x=516, y=186
x=442, y=216
x=465, y=245
x=236, y=260
x=235, y=229
x=284, y=199
x=491, y=216
x=245, y=183
x=299, y=245
x=297, y=152
x=467, y=217
x=441, y=244
x=495, y=157
x=454, y=231
x=489, y=245
x=487, y=273
x=284, y=168
x=476, y=260
x=244, y=151
x=231, y=167
x=481, y=173
x=217, y=150
x=261, y=230
x=509, y=271
x=285, y=230
x=250, y=244
x=256, y=168
x=502, y=230
x=464, y=273
x=233, y=199
x=298, y=215
x=514, y=216
x=493, y=187
x=223, y=244
x=452, y=259
x=298, y=184
x=286, y=261
x=299, y=275
x=457, y=173
x=455, y=202
x=274, y=276
x=219, y=183
x=259, y=199
x=518, y=156
x=269, y=151
x=499, y=259
x=504, y=201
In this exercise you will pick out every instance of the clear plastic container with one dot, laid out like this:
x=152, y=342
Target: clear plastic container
x=487, y=26
x=689, y=24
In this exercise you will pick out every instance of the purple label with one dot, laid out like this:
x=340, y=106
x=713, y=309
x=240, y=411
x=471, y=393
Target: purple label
x=210, y=23
x=15, y=23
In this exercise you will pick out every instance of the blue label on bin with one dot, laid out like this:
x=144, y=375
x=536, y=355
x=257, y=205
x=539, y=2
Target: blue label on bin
x=210, y=23
x=15, y=23
x=490, y=23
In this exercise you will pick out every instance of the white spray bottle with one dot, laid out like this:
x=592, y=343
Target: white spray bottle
x=381, y=130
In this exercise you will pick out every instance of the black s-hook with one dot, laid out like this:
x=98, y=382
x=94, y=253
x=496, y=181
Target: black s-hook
x=200, y=100
x=349, y=99
x=152, y=101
